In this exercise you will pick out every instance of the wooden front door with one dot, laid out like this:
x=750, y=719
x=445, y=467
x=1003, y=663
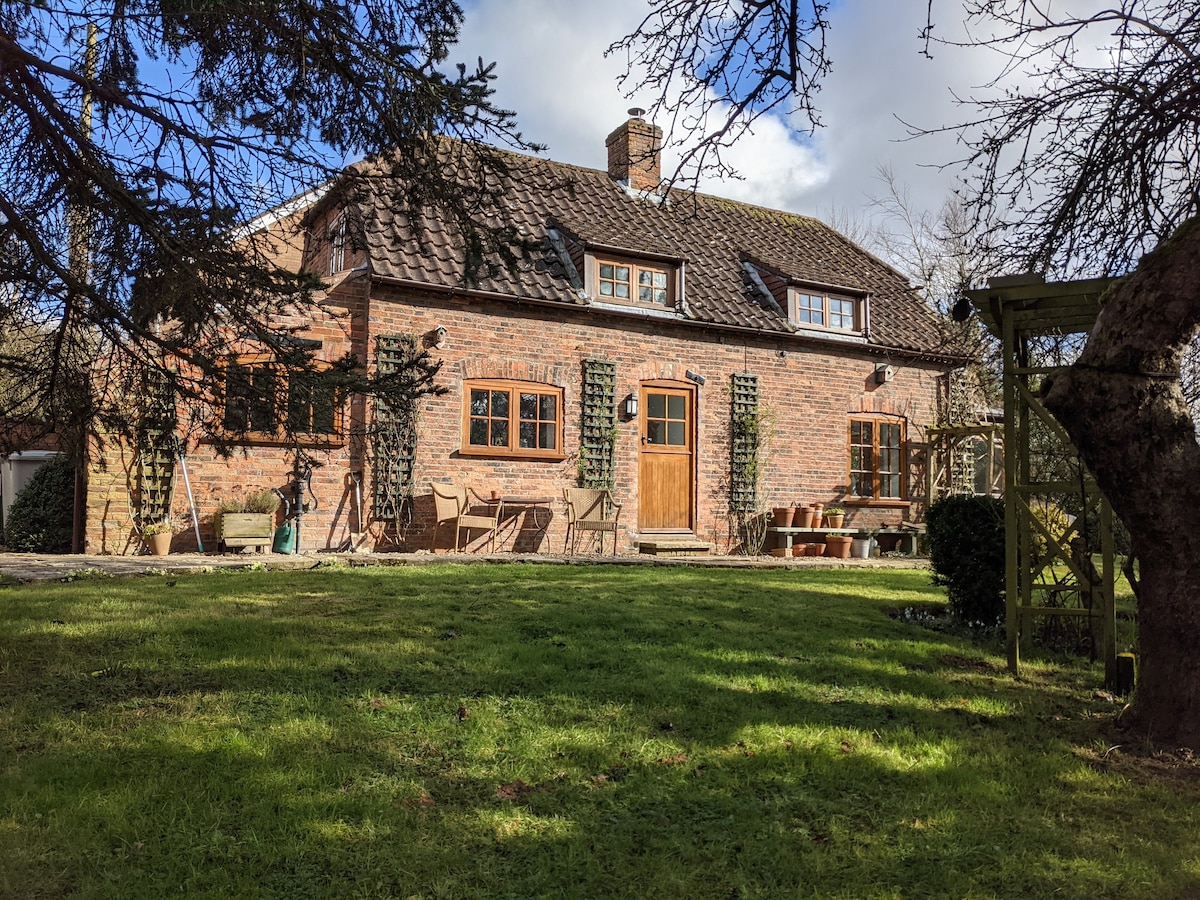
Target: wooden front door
x=667, y=465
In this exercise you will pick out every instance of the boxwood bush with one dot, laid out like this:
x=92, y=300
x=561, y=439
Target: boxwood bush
x=40, y=518
x=966, y=549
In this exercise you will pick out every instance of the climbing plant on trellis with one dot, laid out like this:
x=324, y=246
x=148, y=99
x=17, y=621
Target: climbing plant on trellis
x=598, y=429
x=744, y=430
x=748, y=525
x=394, y=434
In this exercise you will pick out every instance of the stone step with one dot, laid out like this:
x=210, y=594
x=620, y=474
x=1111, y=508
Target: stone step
x=681, y=545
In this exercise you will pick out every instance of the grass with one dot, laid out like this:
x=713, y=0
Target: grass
x=526, y=731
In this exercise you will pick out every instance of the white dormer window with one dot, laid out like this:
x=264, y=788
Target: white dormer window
x=633, y=281
x=831, y=312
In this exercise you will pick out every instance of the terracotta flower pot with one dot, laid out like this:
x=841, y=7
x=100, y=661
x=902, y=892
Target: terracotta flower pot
x=799, y=549
x=835, y=521
x=838, y=545
x=804, y=517
x=159, y=544
x=783, y=516
x=779, y=551
x=815, y=550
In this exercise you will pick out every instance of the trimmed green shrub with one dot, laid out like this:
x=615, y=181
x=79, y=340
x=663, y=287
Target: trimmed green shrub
x=40, y=518
x=966, y=548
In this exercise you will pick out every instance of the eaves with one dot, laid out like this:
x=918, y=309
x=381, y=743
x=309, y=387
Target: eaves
x=791, y=338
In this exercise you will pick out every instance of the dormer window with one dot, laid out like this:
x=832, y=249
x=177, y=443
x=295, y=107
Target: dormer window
x=819, y=309
x=637, y=282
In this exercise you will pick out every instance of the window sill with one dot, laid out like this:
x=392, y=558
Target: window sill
x=501, y=453
x=869, y=503
x=262, y=439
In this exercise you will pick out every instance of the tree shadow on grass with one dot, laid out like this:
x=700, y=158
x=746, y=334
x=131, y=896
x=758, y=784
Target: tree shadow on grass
x=517, y=733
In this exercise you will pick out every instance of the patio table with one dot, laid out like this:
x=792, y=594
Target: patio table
x=537, y=514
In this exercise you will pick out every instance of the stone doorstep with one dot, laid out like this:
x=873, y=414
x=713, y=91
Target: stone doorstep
x=682, y=545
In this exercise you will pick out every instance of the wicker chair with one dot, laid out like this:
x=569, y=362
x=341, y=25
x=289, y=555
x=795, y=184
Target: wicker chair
x=451, y=508
x=589, y=509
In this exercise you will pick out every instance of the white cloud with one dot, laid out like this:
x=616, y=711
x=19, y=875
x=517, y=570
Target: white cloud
x=552, y=71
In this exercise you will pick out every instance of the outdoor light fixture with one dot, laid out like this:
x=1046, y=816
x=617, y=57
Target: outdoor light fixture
x=631, y=406
x=695, y=376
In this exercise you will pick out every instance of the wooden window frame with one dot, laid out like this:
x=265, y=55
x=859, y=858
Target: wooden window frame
x=875, y=472
x=338, y=243
x=280, y=404
x=514, y=389
x=826, y=310
x=636, y=268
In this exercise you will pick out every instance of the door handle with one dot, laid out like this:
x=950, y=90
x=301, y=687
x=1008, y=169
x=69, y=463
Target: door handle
x=643, y=439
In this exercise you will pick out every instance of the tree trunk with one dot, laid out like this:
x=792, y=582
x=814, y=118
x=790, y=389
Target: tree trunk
x=1123, y=406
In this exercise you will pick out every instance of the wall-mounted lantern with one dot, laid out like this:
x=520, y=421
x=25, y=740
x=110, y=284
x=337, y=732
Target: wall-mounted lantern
x=631, y=406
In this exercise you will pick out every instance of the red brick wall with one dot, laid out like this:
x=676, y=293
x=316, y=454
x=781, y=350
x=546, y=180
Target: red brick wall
x=112, y=473
x=808, y=390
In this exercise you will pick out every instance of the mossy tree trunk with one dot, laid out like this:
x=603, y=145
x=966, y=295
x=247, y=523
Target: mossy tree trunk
x=1123, y=405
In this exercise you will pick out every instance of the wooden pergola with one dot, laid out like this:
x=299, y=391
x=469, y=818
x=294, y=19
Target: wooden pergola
x=965, y=459
x=1042, y=468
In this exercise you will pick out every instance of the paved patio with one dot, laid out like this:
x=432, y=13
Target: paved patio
x=32, y=567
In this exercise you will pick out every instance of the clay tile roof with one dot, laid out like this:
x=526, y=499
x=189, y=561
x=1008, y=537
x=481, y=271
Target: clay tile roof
x=712, y=237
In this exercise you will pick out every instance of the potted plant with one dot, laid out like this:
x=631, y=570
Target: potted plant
x=838, y=545
x=834, y=517
x=248, y=521
x=157, y=536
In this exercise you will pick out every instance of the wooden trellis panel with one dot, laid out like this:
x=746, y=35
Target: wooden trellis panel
x=156, y=451
x=966, y=459
x=598, y=426
x=743, y=444
x=393, y=434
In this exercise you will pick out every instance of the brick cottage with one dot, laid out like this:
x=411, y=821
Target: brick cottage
x=636, y=347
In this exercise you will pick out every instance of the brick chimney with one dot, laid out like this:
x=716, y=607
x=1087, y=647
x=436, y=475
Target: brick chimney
x=633, y=152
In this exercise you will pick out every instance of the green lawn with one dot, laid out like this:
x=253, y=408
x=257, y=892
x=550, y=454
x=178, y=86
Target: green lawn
x=525, y=731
